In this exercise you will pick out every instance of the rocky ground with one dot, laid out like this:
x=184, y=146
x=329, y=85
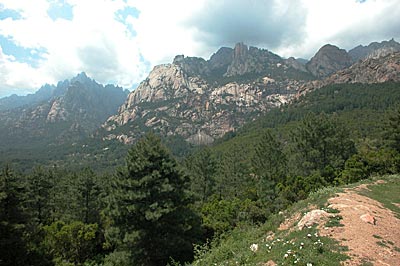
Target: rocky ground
x=370, y=231
x=366, y=227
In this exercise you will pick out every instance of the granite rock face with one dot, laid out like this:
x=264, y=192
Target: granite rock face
x=370, y=70
x=328, y=60
x=374, y=50
x=201, y=100
x=76, y=108
x=174, y=101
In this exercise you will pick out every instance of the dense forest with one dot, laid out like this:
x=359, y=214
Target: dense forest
x=157, y=208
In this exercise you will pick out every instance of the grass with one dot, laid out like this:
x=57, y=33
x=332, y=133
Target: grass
x=386, y=193
x=382, y=243
x=334, y=221
x=293, y=247
x=377, y=237
x=282, y=247
x=366, y=263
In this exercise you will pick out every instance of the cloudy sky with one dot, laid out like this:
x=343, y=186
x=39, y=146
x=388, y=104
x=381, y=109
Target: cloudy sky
x=119, y=41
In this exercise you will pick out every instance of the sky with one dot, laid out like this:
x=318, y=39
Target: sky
x=120, y=41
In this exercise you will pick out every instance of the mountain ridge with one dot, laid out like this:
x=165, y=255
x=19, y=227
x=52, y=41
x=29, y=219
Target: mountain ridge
x=72, y=110
x=182, y=99
x=192, y=98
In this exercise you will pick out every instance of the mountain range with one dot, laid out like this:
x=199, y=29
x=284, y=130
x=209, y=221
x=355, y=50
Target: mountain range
x=192, y=99
x=201, y=100
x=56, y=114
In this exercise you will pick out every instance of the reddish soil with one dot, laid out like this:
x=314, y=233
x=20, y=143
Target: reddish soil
x=372, y=241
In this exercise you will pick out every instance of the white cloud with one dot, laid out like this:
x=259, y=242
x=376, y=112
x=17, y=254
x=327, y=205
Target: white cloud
x=98, y=42
x=346, y=23
x=16, y=77
x=93, y=41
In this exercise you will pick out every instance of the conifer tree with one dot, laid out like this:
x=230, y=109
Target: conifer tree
x=392, y=129
x=269, y=166
x=150, y=206
x=203, y=169
x=322, y=146
x=12, y=220
x=88, y=197
x=40, y=186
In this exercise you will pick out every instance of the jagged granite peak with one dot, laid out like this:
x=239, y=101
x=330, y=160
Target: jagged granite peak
x=180, y=99
x=238, y=64
x=370, y=70
x=173, y=102
x=220, y=60
x=15, y=101
x=194, y=66
x=240, y=51
x=251, y=60
x=328, y=60
x=374, y=50
x=296, y=64
x=76, y=108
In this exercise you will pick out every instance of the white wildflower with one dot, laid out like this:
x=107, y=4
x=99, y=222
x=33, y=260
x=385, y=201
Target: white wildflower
x=254, y=247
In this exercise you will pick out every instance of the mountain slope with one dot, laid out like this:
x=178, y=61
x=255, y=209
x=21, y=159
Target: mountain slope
x=45, y=93
x=173, y=101
x=77, y=109
x=328, y=60
x=370, y=70
x=328, y=228
x=183, y=98
x=374, y=50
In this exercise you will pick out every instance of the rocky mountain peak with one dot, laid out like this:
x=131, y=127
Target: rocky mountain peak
x=240, y=51
x=374, y=50
x=370, y=70
x=251, y=60
x=221, y=59
x=193, y=66
x=82, y=78
x=328, y=60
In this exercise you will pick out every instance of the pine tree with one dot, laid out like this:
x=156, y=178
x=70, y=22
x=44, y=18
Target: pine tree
x=40, y=185
x=202, y=168
x=12, y=220
x=234, y=179
x=392, y=130
x=88, y=197
x=322, y=146
x=150, y=206
x=269, y=166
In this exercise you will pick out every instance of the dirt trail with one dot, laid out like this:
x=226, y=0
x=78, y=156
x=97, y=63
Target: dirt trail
x=370, y=231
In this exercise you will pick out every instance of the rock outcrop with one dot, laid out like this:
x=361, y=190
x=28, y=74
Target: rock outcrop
x=328, y=60
x=75, y=108
x=374, y=50
x=370, y=70
x=173, y=100
x=251, y=60
x=201, y=100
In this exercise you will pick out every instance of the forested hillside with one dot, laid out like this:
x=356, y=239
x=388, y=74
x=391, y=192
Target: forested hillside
x=155, y=208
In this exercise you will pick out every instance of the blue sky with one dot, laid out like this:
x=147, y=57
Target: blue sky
x=119, y=41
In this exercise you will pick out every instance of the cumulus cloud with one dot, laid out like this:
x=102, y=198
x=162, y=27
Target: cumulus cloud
x=92, y=40
x=345, y=23
x=267, y=23
x=119, y=41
